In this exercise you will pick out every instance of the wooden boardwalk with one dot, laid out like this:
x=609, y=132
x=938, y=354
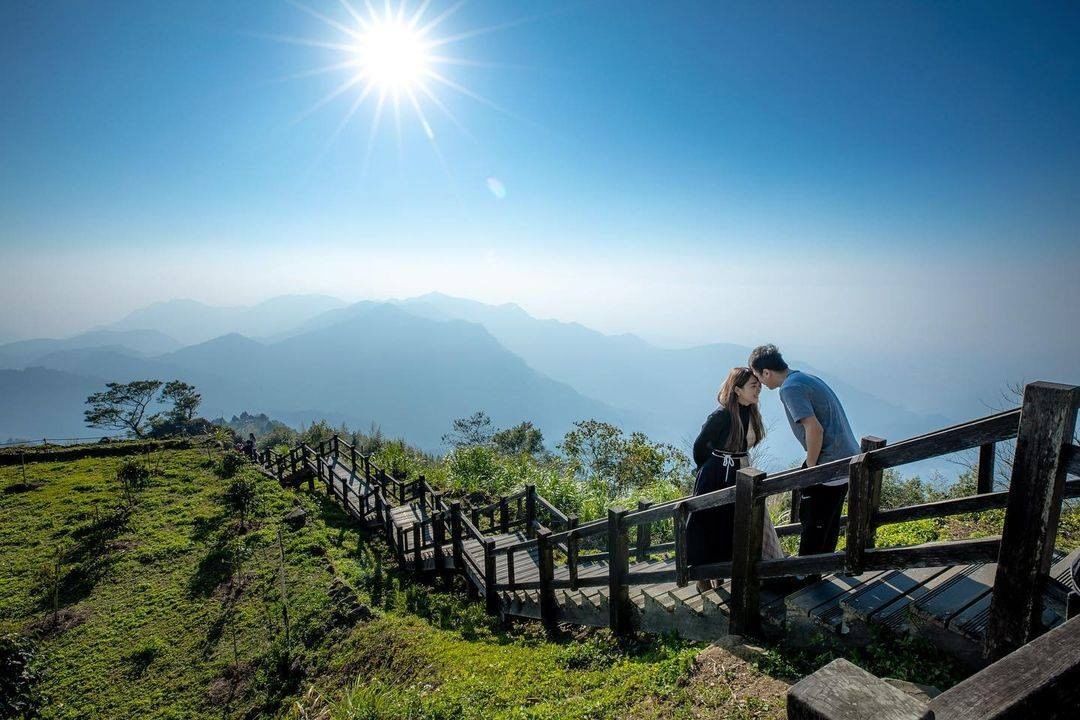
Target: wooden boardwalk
x=511, y=562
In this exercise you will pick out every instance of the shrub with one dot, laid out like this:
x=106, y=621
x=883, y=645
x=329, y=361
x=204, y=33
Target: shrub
x=132, y=476
x=242, y=498
x=18, y=678
x=231, y=462
x=476, y=469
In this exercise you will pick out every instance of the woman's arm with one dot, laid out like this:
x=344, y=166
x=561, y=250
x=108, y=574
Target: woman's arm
x=713, y=435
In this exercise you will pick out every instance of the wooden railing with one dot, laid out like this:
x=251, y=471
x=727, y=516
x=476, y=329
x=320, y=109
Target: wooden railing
x=1038, y=680
x=1044, y=455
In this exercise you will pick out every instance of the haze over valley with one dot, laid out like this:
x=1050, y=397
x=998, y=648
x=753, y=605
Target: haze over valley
x=409, y=366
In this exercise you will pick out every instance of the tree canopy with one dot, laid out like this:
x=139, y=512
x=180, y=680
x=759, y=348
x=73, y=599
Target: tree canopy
x=122, y=406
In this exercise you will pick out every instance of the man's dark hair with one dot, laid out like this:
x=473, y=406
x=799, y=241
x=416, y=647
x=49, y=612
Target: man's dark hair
x=767, y=357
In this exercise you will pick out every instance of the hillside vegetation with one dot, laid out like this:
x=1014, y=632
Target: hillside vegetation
x=155, y=599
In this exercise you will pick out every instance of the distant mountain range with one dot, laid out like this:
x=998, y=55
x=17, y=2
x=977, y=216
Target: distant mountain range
x=193, y=322
x=410, y=366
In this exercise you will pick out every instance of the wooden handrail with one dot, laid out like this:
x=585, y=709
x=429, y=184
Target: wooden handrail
x=525, y=508
x=495, y=505
x=1072, y=459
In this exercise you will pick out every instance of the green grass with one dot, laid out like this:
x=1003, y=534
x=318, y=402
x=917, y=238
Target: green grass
x=169, y=609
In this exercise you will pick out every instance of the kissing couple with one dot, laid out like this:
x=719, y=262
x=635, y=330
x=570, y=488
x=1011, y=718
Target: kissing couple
x=722, y=447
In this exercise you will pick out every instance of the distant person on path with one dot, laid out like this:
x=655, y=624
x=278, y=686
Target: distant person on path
x=820, y=424
x=719, y=451
x=249, y=446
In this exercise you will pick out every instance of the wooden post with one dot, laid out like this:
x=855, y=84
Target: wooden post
x=548, y=608
x=475, y=516
x=641, y=552
x=618, y=567
x=336, y=445
x=491, y=598
x=455, y=536
x=418, y=540
x=438, y=535
x=352, y=457
x=745, y=606
x=796, y=502
x=858, y=524
x=367, y=468
x=682, y=560
x=530, y=510
x=421, y=486
x=1047, y=424
x=868, y=444
x=572, y=543
x=510, y=579
x=504, y=515
x=985, y=472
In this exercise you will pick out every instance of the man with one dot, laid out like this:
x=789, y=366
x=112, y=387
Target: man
x=819, y=422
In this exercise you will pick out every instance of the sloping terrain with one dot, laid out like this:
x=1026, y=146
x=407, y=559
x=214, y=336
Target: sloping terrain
x=168, y=606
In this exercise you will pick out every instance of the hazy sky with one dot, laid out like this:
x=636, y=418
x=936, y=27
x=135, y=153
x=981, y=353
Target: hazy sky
x=853, y=179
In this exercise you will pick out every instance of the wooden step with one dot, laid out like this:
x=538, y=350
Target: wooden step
x=820, y=602
x=894, y=615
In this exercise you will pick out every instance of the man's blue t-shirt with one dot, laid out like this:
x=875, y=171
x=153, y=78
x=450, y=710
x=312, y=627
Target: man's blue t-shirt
x=805, y=395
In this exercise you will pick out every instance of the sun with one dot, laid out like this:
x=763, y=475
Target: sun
x=393, y=59
x=392, y=54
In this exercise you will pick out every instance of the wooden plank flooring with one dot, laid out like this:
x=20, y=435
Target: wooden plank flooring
x=954, y=600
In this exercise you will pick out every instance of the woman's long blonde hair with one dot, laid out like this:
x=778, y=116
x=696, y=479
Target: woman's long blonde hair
x=738, y=377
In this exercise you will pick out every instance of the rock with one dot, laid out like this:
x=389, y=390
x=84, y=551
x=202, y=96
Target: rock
x=297, y=517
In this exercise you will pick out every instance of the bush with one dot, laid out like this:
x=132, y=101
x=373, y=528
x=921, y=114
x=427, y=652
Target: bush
x=231, y=462
x=242, y=498
x=476, y=469
x=18, y=678
x=132, y=476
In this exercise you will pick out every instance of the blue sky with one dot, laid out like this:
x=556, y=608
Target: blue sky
x=689, y=171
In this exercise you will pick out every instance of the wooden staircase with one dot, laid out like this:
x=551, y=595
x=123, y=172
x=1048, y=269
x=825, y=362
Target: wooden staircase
x=943, y=591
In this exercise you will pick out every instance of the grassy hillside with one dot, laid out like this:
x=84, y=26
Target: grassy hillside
x=160, y=603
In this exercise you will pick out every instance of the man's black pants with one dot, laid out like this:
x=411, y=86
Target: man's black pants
x=819, y=513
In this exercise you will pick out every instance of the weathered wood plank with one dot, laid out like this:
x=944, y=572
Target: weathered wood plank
x=681, y=517
x=802, y=565
x=985, y=472
x=945, y=601
x=859, y=511
x=745, y=618
x=868, y=444
x=1048, y=420
x=618, y=567
x=949, y=552
x=1039, y=680
x=1002, y=426
x=843, y=691
x=943, y=508
x=887, y=588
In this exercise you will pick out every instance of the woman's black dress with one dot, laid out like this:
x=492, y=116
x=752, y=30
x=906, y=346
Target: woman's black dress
x=709, y=532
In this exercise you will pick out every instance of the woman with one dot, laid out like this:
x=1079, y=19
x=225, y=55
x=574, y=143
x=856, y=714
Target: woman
x=719, y=451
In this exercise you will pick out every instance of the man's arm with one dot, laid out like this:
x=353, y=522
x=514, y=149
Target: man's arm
x=815, y=436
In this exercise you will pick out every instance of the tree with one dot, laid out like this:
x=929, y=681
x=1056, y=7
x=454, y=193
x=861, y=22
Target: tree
x=522, y=438
x=122, y=406
x=468, y=431
x=185, y=401
x=593, y=448
x=616, y=465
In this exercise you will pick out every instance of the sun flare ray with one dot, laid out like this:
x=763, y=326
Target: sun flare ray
x=329, y=21
x=390, y=56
